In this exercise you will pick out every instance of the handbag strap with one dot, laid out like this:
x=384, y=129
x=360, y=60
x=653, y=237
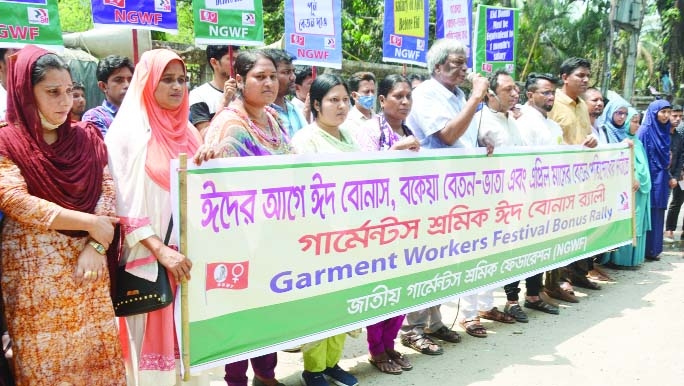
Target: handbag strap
x=168, y=231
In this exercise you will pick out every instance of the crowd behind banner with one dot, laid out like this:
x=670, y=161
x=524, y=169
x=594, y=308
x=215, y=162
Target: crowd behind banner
x=65, y=184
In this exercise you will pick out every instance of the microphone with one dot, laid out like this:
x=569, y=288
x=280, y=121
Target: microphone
x=472, y=75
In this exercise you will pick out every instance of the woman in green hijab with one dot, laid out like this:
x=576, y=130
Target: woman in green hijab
x=628, y=255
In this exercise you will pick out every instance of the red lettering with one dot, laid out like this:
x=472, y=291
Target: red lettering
x=312, y=54
x=137, y=17
x=18, y=32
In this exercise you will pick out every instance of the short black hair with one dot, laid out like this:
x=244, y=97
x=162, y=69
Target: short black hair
x=2, y=54
x=76, y=85
x=532, y=81
x=110, y=64
x=676, y=107
x=302, y=73
x=217, y=52
x=278, y=55
x=358, y=77
x=494, y=78
x=571, y=64
x=321, y=86
x=415, y=76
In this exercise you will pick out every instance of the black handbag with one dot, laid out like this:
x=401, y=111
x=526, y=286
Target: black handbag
x=135, y=295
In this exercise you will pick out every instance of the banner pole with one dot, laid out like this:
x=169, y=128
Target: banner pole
x=631, y=162
x=134, y=36
x=185, y=313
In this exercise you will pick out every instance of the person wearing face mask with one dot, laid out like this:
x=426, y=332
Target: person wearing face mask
x=362, y=88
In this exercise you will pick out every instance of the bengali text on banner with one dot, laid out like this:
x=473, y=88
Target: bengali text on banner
x=405, y=36
x=455, y=21
x=313, y=32
x=321, y=244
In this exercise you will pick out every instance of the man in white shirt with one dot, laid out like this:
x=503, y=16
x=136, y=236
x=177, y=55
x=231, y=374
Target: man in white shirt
x=440, y=118
x=536, y=129
x=595, y=105
x=216, y=94
x=495, y=123
x=362, y=89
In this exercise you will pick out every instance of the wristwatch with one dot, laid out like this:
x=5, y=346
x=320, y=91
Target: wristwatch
x=98, y=247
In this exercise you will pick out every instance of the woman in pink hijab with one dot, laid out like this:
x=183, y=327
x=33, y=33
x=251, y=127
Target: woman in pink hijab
x=151, y=128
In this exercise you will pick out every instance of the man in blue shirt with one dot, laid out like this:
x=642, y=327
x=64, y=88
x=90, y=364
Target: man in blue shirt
x=114, y=75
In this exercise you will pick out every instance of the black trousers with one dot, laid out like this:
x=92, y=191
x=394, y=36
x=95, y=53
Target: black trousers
x=673, y=210
x=533, y=284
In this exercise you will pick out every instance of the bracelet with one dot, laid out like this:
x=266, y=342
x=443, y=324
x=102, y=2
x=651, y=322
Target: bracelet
x=98, y=247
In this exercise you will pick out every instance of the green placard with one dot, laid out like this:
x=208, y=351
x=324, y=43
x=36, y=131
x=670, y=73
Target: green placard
x=236, y=22
x=30, y=22
x=496, y=38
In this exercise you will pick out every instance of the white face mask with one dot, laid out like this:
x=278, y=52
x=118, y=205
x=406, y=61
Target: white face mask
x=47, y=125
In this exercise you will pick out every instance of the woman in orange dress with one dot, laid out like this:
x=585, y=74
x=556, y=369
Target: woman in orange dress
x=58, y=196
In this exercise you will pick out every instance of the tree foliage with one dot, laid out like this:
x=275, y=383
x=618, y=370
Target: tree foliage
x=549, y=32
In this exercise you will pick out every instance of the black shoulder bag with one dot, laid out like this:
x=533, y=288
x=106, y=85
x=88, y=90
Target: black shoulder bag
x=135, y=295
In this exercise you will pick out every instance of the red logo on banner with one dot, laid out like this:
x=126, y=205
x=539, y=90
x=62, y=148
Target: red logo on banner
x=227, y=275
x=487, y=67
x=116, y=3
x=209, y=16
x=396, y=40
x=297, y=40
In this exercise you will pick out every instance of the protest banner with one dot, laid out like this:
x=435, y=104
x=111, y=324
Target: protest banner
x=405, y=34
x=30, y=22
x=290, y=249
x=455, y=21
x=495, y=45
x=313, y=32
x=157, y=15
x=236, y=22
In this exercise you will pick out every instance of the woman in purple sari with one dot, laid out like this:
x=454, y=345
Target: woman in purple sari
x=387, y=131
x=655, y=135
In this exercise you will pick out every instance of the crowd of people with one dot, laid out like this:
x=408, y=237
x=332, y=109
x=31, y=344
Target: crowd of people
x=68, y=177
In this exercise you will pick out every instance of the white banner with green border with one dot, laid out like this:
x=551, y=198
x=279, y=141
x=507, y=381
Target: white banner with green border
x=289, y=249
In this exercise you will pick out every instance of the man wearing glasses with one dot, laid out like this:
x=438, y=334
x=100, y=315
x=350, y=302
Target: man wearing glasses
x=536, y=129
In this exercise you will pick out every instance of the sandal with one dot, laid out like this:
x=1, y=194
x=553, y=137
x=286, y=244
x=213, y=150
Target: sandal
x=542, y=306
x=497, y=316
x=399, y=359
x=421, y=343
x=385, y=364
x=567, y=287
x=445, y=334
x=473, y=327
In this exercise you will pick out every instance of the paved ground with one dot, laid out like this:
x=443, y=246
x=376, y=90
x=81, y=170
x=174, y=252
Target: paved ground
x=629, y=333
